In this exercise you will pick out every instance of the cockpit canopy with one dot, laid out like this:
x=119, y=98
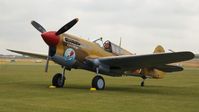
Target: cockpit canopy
x=113, y=48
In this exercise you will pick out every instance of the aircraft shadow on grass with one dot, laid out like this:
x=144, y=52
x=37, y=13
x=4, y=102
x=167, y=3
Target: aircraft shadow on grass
x=134, y=89
x=150, y=89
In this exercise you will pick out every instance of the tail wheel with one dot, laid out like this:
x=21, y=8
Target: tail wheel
x=58, y=80
x=98, y=83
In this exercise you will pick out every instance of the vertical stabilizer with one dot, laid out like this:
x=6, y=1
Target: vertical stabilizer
x=120, y=43
x=159, y=49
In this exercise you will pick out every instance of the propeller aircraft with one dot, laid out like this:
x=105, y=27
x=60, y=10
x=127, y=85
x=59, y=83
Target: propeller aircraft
x=73, y=52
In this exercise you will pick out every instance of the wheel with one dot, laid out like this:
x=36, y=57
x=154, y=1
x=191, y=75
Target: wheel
x=98, y=83
x=58, y=81
x=142, y=84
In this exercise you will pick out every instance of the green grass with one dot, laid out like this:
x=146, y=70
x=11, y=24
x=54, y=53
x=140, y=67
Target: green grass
x=24, y=88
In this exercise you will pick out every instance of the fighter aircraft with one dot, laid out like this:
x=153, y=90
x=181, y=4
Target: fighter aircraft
x=73, y=52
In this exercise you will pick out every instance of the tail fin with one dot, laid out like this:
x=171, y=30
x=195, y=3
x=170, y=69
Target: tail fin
x=159, y=49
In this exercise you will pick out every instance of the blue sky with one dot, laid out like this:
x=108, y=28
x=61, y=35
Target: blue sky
x=142, y=24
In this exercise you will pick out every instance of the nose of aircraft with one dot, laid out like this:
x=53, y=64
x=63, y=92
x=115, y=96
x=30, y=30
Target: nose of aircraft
x=50, y=38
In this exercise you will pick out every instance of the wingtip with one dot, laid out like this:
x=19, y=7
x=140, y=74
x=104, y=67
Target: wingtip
x=8, y=49
x=32, y=21
x=11, y=50
x=77, y=19
x=191, y=54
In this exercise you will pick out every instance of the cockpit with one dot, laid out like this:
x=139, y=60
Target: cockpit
x=112, y=48
x=107, y=46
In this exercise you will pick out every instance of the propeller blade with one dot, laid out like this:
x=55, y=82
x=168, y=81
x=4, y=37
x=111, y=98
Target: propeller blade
x=38, y=26
x=47, y=62
x=67, y=26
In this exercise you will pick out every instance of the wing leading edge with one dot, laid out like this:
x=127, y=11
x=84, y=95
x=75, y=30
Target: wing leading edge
x=41, y=56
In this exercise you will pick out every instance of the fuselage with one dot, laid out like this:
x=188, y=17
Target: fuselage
x=85, y=49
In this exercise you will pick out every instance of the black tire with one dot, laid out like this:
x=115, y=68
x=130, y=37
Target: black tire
x=58, y=81
x=98, y=83
x=142, y=84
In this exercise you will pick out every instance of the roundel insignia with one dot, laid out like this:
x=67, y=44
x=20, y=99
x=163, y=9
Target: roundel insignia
x=69, y=56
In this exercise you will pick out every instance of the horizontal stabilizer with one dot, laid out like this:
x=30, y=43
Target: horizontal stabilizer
x=169, y=68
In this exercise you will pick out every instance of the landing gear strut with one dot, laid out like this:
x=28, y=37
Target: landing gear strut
x=98, y=81
x=142, y=83
x=59, y=79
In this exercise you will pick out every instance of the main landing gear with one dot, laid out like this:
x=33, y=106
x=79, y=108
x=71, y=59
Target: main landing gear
x=98, y=81
x=59, y=79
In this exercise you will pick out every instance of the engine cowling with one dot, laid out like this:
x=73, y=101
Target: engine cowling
x=68, y=59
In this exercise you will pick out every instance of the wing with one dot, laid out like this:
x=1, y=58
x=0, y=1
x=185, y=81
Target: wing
x=143, y=61
x=41, y=56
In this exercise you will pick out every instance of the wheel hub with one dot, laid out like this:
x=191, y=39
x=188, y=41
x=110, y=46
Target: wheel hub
x=100, y=83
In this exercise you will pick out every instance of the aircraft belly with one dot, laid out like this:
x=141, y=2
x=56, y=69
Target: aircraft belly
x=154, y=73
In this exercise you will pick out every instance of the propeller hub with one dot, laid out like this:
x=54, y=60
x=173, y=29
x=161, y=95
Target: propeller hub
x=50, y=38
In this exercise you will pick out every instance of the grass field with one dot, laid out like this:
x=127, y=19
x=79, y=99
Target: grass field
x=24, y=88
